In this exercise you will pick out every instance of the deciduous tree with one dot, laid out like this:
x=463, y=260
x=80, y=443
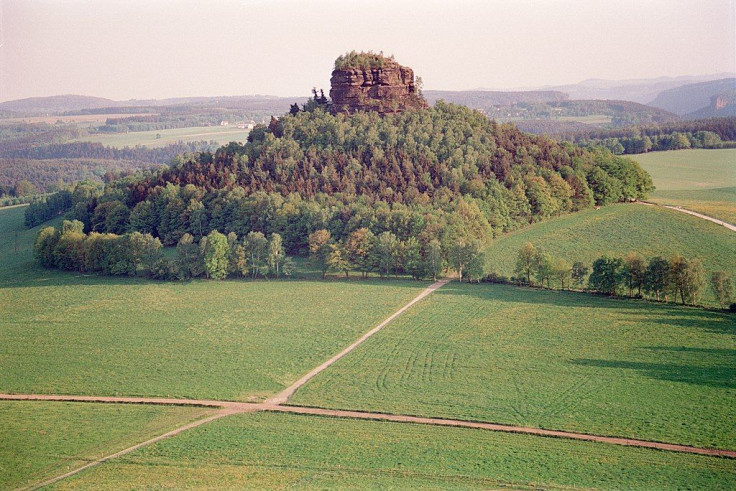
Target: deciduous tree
x=319, y=249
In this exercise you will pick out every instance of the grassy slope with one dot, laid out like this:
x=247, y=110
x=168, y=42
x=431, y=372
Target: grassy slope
x=719, y=203
x=616, y=230
x=221, y=134
x=690, y=169
x=547, y=359
x=280, y=450
x=76, y=334
x=700, y=180
x=44, y=439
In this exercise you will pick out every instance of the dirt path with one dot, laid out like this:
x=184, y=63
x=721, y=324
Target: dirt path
x=275, y=404
x=503, y=428
x=693, y=213
x=219, y=414
x=229, y=407
x=704, y=217
x=244, y=406
x=284, y=395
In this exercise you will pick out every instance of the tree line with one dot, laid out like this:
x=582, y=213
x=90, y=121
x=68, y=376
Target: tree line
x=675, y=279
x=19, y=176
x=655, y=143
x=214, y=256
x=90, y=150
x=703, y=133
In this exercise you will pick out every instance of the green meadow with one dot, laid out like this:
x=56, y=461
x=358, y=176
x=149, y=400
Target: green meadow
x=557, y=360
x=67, y=333
x=43, y=439
x=615, y=230
x=718, y=203
x=678, y=170
x=159, y=138
x=277, y=451
x=699, y=180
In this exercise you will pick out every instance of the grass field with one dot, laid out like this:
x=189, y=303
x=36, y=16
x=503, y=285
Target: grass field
x=221, y=134
x=558, y=360
x=616, y=230
x=276, y=451
x=79, y=118
x=44, y=439
x=679, y=170
x=699, y=180
x=719, y=203
x=77, y=334
x=502, y=354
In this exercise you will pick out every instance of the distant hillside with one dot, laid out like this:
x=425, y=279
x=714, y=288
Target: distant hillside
x=55, y=104
x=90, y=105
x=483, y=99
x=693, y=97
x=636, y=90
x=578, y=115
x=721, y=105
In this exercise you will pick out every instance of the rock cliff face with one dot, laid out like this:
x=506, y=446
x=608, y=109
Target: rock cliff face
x=386, y=89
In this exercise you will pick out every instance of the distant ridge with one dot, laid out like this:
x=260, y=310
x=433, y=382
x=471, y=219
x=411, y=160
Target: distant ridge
x=478, y=99
x=695, y=97
x=79, y=103
x=641, y=90
x=56, y=104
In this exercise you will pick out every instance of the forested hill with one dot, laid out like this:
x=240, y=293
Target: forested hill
x=421, y=173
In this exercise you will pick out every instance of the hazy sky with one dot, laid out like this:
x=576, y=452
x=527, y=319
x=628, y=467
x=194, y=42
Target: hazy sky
x=156, y=48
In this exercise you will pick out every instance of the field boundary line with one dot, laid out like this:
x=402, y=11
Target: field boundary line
x=221, y=413
x=283, y=396
x=228, y=408
x=244, y=406
x=397, y=418
x=704, y=217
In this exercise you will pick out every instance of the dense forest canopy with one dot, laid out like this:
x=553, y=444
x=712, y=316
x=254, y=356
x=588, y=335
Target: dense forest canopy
x=446, y=173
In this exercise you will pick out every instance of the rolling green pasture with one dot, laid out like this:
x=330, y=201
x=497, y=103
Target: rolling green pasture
x=276, y=451
x=678, y=170
x=719, y=203
x=43, y=439
x=699, y=180
x=615, y=230
x=221, y=134
x=67, y=333
x=558, y=360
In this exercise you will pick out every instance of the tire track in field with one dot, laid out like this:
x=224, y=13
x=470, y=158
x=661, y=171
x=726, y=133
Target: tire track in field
x=283, y=396
x=228, y=408
x=275, y=404
x=693, y=213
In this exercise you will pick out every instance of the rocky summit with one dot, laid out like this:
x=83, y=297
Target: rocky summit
x=373, y=83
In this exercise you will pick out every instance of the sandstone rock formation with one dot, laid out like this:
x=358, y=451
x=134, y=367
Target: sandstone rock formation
x=388, y=88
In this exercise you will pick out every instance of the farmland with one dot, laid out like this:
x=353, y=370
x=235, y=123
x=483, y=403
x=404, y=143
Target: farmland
x=41, y=440
x=718, y=203
x=278, y=450
x=678, y=170
x=159, y=138
x=485, y=352
x=546, y=359
x=79, y=119
x=616, y=230
x=228, y=340
x=699, y=180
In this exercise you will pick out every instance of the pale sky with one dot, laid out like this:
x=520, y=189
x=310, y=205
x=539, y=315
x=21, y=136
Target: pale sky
x=169, y=48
